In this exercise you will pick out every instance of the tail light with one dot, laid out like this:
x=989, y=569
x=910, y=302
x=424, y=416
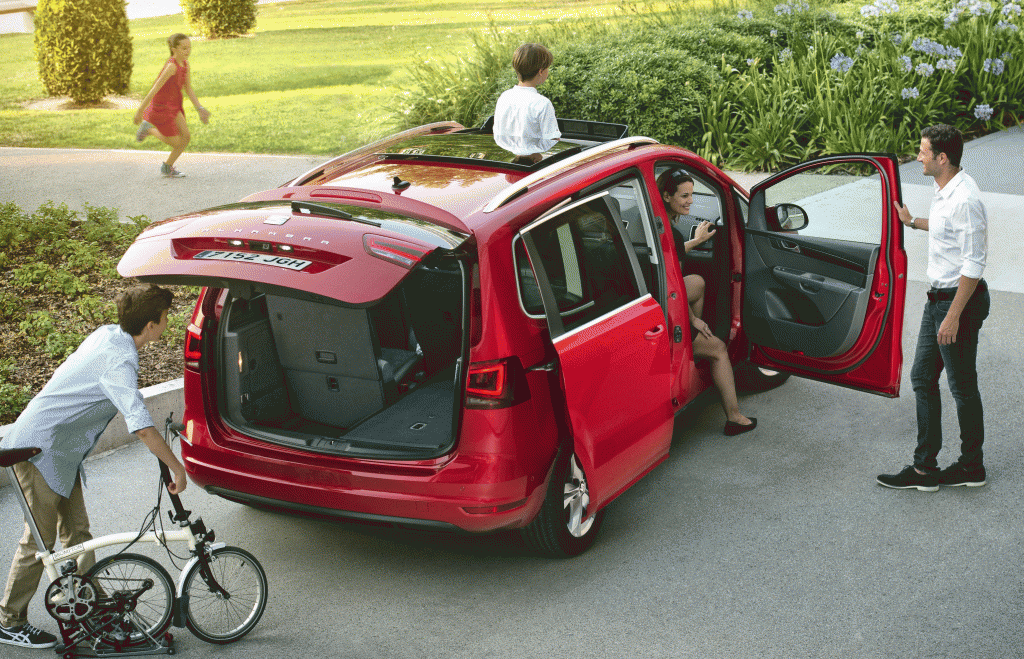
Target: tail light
x=194, y=340
x=495, y=384
x=393, y=250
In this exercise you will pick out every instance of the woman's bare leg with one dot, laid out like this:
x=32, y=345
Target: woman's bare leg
x=714, y=351
x=695, y=293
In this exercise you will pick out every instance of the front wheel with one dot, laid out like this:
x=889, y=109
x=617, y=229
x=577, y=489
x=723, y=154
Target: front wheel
x=565, y=526
x=210, y=615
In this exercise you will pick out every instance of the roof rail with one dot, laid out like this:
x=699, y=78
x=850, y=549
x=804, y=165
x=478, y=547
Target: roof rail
x=560, y=166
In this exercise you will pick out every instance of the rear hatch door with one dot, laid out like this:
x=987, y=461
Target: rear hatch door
x=335, y=250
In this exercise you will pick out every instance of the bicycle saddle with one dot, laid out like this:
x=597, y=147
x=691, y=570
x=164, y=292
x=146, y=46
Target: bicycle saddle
x=12, y=456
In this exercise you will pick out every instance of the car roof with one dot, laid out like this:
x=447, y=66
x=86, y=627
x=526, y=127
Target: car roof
x=463, y=173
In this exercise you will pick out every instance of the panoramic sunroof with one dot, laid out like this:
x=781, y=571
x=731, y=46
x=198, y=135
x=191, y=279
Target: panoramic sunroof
x=470, y=146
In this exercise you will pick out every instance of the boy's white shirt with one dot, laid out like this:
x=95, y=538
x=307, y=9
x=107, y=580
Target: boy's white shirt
x=524, y=121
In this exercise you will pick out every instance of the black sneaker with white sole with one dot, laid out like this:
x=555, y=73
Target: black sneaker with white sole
x=909, y=479
x=956, y=474
x=27, y=636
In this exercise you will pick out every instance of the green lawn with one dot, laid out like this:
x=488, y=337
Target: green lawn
x=317, y=77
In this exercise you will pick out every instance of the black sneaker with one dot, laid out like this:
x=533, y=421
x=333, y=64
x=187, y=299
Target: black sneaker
x=27, y=636
x=909, y=479
x=956, y=474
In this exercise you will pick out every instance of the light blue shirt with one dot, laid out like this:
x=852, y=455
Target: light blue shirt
x=66, y=418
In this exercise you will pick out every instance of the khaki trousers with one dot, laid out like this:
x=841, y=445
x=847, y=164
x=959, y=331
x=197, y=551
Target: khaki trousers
x=53, y=514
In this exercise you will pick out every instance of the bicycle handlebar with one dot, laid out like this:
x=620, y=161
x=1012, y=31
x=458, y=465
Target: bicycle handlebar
x=180, y=514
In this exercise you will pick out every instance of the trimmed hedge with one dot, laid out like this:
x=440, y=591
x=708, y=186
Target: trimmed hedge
x=84, y=48
x=656, y=90
x=216, y=19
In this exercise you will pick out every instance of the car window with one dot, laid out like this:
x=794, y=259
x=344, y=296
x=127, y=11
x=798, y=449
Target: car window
x=837, y=204
x=630, y=207
x=586, y=262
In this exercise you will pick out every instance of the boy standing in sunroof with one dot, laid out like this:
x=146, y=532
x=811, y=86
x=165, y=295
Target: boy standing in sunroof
x=524, y=121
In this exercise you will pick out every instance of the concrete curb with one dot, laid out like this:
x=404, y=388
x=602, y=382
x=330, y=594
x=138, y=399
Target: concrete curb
x=161, y=399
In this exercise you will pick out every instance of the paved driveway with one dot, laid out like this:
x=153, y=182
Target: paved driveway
x=775, y=544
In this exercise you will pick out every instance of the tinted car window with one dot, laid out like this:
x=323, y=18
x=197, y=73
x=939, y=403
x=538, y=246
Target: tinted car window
x=586, y=263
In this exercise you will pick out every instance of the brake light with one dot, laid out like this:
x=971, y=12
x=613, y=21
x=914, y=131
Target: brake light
x=194, y=340
x=486, y=381
x=492, y=385
x=396, y=251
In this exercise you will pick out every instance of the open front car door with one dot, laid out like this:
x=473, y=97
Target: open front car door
x=825, y=272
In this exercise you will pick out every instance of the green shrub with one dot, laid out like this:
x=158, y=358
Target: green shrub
x=216, y=19
x=655, y=90
x=13, y=398
x=11, y=305
x=84, y=48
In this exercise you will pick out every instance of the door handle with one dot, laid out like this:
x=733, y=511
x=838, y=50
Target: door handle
x=654, y=332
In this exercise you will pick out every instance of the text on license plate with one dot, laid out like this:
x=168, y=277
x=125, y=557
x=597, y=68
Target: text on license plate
x=252, y=257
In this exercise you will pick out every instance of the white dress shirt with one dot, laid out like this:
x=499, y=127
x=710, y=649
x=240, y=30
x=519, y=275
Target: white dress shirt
x=957, y=233
x=66, y=418
x=524, y=121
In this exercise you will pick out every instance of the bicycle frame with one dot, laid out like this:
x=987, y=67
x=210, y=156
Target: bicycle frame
x=191, y=533
x=96, y=614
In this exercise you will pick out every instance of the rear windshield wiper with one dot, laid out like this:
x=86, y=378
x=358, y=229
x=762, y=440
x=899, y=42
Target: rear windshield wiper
x=307, y=207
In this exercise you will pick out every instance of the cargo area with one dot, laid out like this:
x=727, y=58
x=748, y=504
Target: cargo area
x=312, y=373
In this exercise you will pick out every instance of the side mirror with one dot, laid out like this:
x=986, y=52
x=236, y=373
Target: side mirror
x=790, y=217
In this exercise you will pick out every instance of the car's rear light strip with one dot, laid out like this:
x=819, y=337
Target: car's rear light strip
x=393, y=250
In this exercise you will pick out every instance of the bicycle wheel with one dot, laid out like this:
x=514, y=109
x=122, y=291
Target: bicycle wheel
x=218, y=619
x=125, y=573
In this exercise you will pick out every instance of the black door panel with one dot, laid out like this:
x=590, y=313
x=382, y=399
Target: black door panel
x=806, y=295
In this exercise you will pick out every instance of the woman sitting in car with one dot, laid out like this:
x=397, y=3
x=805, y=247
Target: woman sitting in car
x=676, y=189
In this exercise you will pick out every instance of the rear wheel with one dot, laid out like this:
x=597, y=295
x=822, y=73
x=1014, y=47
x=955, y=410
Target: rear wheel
x=565, y=525
x=220, y=619
x=123, y=575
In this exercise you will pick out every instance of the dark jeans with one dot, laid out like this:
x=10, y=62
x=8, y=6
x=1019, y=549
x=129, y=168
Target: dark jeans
x=959, y=359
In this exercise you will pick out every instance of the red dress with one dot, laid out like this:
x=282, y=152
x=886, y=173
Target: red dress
x=167, y=103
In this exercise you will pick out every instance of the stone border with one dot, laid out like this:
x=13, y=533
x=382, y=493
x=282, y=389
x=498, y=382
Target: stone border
x=161, y=399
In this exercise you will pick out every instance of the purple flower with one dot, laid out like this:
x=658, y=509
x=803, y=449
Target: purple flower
x=908, y=65
x=993, y=66
x=946, y=64
x=840, y=62
x=745, y=14
x=983, y=112
x=925, y=69
x=879, y=7
x=910, y=92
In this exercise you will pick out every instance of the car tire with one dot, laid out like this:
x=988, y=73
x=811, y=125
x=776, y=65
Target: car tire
x=757, y=378
x=555, y=531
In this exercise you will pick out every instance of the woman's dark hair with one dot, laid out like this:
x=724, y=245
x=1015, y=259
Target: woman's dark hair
x=670, y=181
x=174, y=40
x=140, y=304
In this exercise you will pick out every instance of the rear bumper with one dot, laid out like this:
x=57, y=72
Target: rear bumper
x=462, y=495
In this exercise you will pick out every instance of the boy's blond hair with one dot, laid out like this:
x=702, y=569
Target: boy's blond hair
x=530, y=59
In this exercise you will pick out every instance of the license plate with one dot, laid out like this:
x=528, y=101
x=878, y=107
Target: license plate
x=253, y=257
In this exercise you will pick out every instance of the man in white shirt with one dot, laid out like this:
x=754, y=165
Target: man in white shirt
x=65, y=420
x=524, y=121
x=958, y=303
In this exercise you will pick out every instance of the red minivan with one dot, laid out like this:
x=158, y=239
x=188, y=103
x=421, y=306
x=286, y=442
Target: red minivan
x=428, y=333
